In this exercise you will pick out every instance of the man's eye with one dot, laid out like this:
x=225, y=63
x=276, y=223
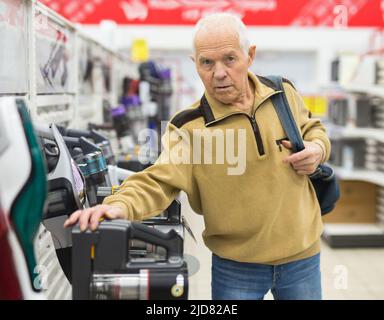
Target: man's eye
x=230, y=59
x=206, y=62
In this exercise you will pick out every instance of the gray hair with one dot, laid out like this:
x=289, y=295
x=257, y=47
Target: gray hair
x=224, y=18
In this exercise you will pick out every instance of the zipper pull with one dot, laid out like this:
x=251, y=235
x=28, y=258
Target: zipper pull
x=280, y=142
x=254, y=125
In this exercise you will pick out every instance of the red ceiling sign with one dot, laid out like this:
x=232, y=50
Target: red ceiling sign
x=331, y=13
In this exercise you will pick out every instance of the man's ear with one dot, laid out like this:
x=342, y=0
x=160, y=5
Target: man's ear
x=251, y=55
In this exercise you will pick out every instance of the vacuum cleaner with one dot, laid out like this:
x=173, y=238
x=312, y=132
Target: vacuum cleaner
x=103, y=266
x=66, y=192
x=92, y=163
x=99, y=139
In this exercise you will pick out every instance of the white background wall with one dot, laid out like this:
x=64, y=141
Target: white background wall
x=301, y=54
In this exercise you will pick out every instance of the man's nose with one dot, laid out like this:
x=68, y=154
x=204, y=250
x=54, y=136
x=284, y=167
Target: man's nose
x=219, y=72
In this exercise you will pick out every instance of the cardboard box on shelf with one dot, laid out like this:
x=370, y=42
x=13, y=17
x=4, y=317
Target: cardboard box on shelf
x=357, y=204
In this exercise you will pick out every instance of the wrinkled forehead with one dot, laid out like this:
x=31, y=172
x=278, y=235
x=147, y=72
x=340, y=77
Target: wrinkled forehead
x=211, y=40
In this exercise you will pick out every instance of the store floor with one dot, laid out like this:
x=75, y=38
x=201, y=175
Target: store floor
x=346, y=273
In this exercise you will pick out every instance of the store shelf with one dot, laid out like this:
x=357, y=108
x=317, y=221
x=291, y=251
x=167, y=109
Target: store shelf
x=54, y=99
x=374, y=90
x=354, y=228
x=344, y=235
x=371, y=176
x=353, y=132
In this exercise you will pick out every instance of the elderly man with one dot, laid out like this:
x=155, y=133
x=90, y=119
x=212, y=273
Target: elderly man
x=262, y=221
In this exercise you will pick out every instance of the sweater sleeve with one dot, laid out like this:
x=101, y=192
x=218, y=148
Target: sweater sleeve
x=311, y=128
x=149, y=192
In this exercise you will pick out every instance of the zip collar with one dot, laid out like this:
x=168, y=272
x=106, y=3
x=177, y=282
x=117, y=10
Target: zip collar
x=214, y=111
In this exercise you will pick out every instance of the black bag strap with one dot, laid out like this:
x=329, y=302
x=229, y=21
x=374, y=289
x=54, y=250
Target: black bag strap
x=289, y=125
x=284, y=113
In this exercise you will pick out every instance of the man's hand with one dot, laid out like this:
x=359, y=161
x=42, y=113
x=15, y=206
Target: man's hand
x=306, y=161
x=92, y=216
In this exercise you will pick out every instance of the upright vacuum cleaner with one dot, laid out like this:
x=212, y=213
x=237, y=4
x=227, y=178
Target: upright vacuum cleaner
x=66, y=192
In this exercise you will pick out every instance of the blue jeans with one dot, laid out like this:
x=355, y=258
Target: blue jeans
x=298, y=280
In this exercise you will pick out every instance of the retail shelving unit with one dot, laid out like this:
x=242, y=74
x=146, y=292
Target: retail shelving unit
x=66, y=78
x=356, y=127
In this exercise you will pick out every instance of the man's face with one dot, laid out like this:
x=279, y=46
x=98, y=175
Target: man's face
x=222, y=65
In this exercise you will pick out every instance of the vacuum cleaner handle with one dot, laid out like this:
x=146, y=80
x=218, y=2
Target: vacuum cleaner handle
x=97, y=137
x=171, y=241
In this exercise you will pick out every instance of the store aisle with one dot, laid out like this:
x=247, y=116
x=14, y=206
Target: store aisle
x=199, y=282
x=347, y=273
